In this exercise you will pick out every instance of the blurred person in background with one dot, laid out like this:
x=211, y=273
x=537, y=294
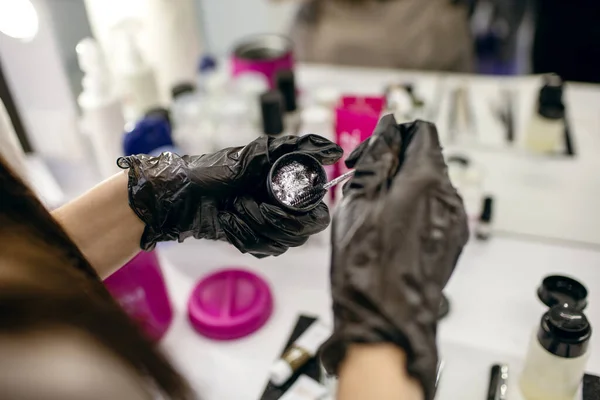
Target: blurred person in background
x=496, y=29
x=408, y=34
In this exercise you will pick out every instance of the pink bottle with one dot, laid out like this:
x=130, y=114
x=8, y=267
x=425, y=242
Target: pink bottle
x=355, y=119
x=140, y=288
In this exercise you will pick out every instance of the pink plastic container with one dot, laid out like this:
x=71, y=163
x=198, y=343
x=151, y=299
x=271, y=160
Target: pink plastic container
x=355, y=119
x=230, y=304
x=140, y=288
x=265, y=54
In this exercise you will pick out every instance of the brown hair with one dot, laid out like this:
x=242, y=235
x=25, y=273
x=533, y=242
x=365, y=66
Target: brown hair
x=48, y=283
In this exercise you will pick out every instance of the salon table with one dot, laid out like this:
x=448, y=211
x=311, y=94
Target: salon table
x=494, y=309
x=546, y=222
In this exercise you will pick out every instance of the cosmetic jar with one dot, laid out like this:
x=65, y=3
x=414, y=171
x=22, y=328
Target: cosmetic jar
x=560, y=290
x=290, y=176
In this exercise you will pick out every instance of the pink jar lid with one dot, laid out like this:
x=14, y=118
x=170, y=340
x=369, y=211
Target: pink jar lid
x=230, y=304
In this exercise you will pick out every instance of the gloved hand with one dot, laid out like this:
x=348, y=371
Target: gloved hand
x=396, y=238
x=223, y=196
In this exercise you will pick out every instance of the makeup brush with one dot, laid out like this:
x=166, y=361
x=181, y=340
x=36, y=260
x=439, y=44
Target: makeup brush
x=316, y=193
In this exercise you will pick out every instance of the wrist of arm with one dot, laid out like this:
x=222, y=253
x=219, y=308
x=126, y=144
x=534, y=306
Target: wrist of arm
x=376, y=371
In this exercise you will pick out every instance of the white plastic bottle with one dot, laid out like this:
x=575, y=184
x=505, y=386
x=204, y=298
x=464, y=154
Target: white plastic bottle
x=249, y=86
x=557, y=356
x=174, y=42
x=102, y=117
x=193, y=126
x=135, y=78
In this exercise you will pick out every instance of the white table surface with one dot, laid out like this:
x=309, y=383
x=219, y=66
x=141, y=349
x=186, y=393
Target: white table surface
x=493, y=295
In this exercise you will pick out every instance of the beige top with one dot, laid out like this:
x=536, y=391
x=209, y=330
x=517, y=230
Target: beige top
x=410, y=34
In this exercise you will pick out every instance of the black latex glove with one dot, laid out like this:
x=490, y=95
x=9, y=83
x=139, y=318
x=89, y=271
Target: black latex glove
x=396, y=238
x=223, y=196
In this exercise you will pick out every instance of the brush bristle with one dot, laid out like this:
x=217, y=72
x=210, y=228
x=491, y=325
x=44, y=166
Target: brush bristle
x=309, y=197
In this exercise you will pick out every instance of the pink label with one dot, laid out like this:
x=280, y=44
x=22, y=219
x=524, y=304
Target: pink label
x=355, y=121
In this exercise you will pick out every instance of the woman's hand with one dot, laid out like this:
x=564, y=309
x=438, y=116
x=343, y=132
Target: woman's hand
x=223, y=196
x=397, y=236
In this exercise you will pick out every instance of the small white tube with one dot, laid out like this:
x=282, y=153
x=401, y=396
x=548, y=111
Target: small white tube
x=305, y=388
x=302, y=350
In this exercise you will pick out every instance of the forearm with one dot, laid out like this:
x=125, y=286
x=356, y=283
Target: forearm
x=102, y=225
x=376, y=371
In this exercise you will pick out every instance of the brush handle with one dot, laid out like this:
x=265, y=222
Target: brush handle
x=317, y=193
x=339, y=179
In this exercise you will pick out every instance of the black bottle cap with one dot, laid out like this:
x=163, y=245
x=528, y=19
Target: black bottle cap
x=207, y=63
x=286, y=83
x=487, y=210
x=459, y=159
x=564, y=332
x=182, y=88
x=561, y=290
x=409, y=87
x=159, y=112
x=271, y=105
x=550, y=102
x=444, y=309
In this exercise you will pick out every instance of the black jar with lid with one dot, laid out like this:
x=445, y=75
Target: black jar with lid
x=565, y=332
x=557, y=355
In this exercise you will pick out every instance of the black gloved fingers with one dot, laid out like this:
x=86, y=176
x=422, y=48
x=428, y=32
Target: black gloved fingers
x=250, y=165
x=322, y=149
x=249, y=211
x=387, y=132
x=412, y=144
x=371, y=176
x=317, y=146
x=296, y=225
x=447, y=235
x=278, y=225
x=423, y=147
x=377, y=159
x=353, y=158
x=246, y=240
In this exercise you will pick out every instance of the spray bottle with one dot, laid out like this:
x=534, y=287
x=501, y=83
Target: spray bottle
x=101, y=109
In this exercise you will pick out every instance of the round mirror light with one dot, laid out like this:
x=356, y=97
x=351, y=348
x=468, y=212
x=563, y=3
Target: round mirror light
x=18, y=19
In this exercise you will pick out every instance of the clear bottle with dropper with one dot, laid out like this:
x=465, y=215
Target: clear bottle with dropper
x=546, y=130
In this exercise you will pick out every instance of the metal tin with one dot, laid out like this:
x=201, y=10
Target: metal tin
x=265, y=54
x=305, y=159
